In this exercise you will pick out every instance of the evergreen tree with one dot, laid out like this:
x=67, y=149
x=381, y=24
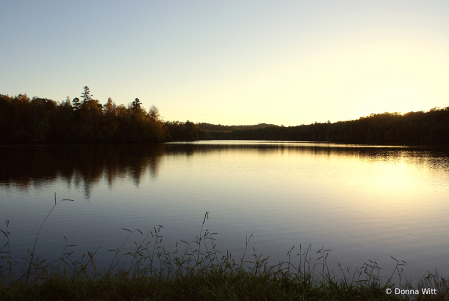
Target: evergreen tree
x=86, y=96
x=76, y=103
x=136, y=105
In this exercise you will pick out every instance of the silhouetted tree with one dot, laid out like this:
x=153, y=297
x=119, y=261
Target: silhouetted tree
x=86, y=94
x=76, y=103
x=136, y=105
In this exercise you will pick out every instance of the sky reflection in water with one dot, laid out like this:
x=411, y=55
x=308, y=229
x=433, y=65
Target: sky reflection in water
x=363, y=202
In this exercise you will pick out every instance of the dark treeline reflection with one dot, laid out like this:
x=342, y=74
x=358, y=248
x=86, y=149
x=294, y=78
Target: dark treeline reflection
x=85, y=165
x=421, y=153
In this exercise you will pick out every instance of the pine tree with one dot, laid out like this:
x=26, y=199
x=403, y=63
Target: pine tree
x=76, y=103
x=86, y=95
x=136, y=105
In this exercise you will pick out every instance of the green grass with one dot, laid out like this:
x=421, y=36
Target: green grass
x=196, y=270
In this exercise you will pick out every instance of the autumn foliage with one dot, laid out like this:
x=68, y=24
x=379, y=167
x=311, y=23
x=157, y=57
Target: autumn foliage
x=41, y=120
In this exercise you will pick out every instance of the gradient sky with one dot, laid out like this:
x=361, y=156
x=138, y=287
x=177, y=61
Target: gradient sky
x=232, y=62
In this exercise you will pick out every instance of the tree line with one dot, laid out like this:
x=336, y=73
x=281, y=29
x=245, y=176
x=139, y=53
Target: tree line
x=410, y=128
x=85, y=119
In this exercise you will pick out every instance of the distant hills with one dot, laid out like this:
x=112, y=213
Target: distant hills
x=386, y=128
x=228, y=128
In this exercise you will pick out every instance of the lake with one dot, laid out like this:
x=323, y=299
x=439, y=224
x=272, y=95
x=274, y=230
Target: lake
x=364, y=202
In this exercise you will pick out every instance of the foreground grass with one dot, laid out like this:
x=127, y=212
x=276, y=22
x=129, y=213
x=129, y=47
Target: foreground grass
x=199, y=272
x=212, y=286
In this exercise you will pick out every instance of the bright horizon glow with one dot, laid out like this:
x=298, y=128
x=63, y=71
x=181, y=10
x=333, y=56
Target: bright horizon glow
x=232, y=62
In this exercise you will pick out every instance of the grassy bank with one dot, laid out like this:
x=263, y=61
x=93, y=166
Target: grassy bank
x=196, y=270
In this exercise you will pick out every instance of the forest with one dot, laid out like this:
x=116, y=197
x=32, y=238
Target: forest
x=85, y=119
x=41, y=120
x=385, y=128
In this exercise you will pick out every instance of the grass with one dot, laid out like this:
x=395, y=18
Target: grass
x=196, y=270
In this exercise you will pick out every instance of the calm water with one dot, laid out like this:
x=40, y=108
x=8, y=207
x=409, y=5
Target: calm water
x=362, y=202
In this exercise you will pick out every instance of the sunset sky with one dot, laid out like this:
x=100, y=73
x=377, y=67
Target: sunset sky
x=232, y=62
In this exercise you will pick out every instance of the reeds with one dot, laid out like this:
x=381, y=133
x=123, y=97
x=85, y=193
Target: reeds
x=195, y=270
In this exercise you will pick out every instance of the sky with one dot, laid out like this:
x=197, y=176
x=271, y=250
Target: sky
x=232, y=62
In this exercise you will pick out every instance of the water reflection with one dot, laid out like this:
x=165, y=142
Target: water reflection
x=78, y=165
x=364, y=202
x=86, y=165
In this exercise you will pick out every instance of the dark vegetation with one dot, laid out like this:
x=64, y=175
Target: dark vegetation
x=228, y=128
x=195, y=270
x=410, y=128
x=38, y=120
